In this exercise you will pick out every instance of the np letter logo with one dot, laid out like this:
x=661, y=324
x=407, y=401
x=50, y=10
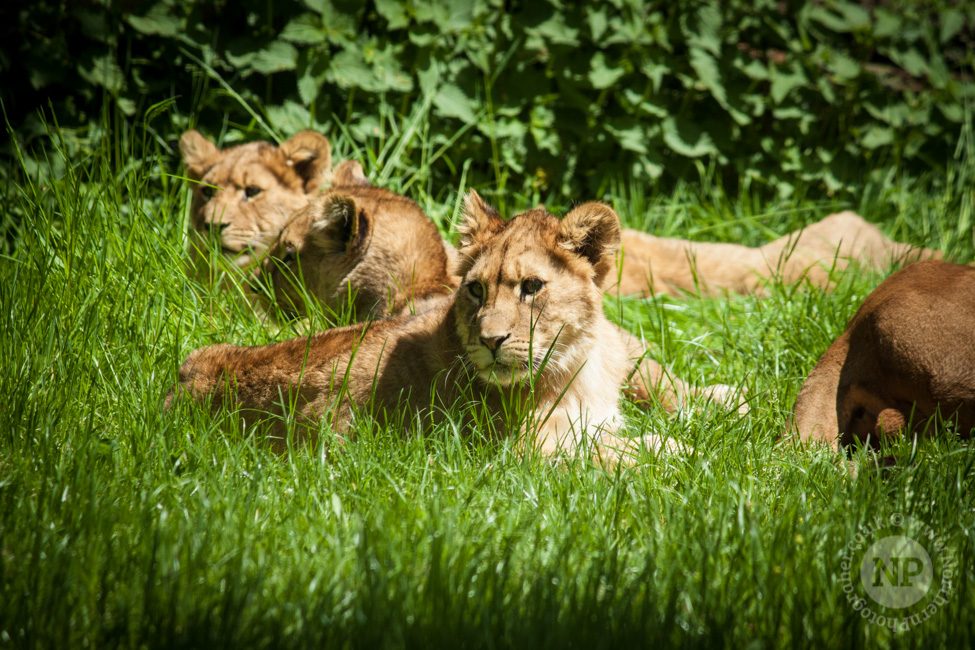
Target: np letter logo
x=896, y=571
x=900, y=572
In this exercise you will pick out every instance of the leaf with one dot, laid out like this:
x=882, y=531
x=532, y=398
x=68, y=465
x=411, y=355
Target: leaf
x=103, y=71
x=556, y=31
x=886, y=24
x=312, y=70
x=290, y=117
x=276, y=57
x=687, y=138
x=642, y=105
x=952, y=111
x=707, y=72
x=305, y=29
x=597, y=24
x=602, y=75
x=386, y=70
x=347, y=69
x=843, y=66
x=394, y=13
x=156, y=21
x=702, y=29
x=829, y=20
x=629, y=134
x=709, y=75
x=856, y=17
x=546, y=138
x=952, y=22
x=895, y=114
x=911, y=60
x=877, y=136
x=655, y=73
x=784, y=83
x=451, y=101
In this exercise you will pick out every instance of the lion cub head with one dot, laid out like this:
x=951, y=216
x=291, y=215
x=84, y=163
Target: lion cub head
x=360, y=244
x=244, y=194
x=530, y=299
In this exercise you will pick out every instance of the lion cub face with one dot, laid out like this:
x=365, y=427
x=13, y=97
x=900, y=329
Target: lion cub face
x=530, y=296
x=246, y=193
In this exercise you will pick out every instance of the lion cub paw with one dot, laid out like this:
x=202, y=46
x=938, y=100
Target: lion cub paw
x=730, y=396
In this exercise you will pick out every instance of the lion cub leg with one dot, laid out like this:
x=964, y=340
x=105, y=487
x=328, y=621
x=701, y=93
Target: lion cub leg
x=649, y=382
x=834, y=241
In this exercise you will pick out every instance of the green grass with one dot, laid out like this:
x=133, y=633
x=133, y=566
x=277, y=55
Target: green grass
x=124, y=525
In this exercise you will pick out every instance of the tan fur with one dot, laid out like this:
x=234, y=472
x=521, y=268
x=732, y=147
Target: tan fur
x=906, y=355
x=655, y=264
x=361, y=242
x=527, y=325
x=244, y=194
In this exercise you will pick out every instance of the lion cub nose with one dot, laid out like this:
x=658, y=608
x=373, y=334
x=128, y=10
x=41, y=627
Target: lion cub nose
x=492, y=343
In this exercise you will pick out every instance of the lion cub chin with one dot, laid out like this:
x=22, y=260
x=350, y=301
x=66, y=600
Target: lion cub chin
x=526, y=326
x=905, y=359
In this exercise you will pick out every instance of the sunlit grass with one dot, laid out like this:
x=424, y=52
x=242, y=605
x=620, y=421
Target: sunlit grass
x=124, y=525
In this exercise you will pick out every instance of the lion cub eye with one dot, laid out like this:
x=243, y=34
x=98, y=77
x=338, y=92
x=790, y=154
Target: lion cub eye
x=289, y=254
x=531, y=286
x=251, y=191
x=206, y=192
x=476, y=289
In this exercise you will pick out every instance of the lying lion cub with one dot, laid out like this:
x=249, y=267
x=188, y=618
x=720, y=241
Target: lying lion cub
x=906, y=355
x=527, y=324
x=245, y=193
x=652, y=264
x=362, y=244
x=261, y=185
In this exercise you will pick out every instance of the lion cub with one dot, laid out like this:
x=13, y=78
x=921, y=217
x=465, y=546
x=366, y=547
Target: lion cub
x=652, y=264
x=527, y=324
x=360, y=244
x=906, y=355
x=245, y=193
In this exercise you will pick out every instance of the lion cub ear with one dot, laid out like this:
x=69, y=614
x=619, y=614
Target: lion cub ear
x=197, y=153
x=337, y=225
x=592, y=231
x=350, y=173
x=311, y=156
x=480, y=224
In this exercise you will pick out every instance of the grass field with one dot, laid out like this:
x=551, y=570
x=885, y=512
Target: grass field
x=124, y=525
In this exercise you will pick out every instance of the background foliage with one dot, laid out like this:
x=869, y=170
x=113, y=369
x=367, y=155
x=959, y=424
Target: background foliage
x=555, y=95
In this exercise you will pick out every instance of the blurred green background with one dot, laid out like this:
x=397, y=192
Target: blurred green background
x=552, y=96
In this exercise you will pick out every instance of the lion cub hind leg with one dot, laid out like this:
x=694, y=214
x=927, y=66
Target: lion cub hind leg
x=835, y=241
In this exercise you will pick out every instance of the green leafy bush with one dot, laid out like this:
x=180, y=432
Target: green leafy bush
x=560, y=96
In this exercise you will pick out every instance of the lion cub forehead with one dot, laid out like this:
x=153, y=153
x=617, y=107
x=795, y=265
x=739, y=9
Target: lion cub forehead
x=522, y=252
x=255, y=163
